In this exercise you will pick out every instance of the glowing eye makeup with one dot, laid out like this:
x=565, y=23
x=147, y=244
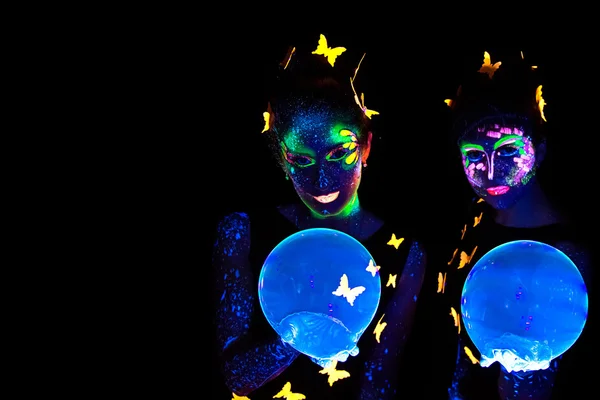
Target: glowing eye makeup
x=345, y=151
x=337, y=154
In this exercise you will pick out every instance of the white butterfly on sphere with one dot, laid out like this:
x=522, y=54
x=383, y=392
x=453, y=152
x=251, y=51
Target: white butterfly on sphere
x=345, y=291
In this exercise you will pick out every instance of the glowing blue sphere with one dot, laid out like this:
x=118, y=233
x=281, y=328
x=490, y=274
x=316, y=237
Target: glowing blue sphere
x=319, y=289
x=523, y=304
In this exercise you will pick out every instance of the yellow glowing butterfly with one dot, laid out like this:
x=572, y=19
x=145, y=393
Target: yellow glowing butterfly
x=465, y=258
x=462, y=232
x=361, y=102
x=334, y=374
x=286, y=393
x=477, y=220
x=368, y=113
x=236, y=397
x=345, y=291
x=379, y=328
x=448, y=102
x=391, y=280
x=470, y=355
x=395, y=242
x=480, y=201
x=456, y=318
x=267, y=118
x=487, y=67
x=540, y=101
x=441, y=283
x=453, y=255
x=372, y=268
x=330, y=53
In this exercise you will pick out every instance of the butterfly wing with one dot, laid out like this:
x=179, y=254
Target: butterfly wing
x=486, y=59
x=343, y=288
x=266, y=117
x=353, y=293
x=464, y=259
x=370, y=113
x=321, y=46
x=336, y=375
x=332, y=54
x=285, y=391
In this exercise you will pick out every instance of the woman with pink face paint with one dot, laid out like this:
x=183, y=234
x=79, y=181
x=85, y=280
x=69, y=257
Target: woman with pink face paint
x=500, y=128
x=320, y=135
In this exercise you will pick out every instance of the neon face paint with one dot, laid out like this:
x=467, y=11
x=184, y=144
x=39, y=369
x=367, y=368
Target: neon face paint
x=322, y=157
x=498, y=162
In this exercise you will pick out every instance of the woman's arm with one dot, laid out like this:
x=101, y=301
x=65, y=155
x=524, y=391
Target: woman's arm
x=381, y=370
x=527, y=385
x=247, y=364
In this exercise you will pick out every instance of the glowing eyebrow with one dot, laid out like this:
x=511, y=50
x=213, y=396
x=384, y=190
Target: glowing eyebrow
x=507, y=140
x=468, y=147
x=296, y=148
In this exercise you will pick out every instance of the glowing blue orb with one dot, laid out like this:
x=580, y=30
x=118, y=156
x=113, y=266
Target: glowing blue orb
x=523, y=304
x=319, y=289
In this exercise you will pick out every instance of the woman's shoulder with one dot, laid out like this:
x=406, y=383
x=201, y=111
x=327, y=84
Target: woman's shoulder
x=232, y=232
x=233, y=223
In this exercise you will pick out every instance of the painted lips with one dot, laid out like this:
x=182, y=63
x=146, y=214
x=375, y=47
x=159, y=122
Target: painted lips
x=498, y=190
x=328, y=198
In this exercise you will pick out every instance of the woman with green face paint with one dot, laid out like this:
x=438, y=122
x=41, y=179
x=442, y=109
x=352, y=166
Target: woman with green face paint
x=499, y=125
x=318, y=127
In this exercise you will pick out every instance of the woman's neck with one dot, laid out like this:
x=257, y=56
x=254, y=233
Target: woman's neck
x=356, y=221
x=532, y=210
x=345, y=221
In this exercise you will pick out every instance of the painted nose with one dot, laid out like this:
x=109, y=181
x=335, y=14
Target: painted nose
x=490, y=167
x=322, y=181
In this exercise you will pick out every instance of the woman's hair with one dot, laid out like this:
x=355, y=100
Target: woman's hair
x=307, y=82
x=508, y=96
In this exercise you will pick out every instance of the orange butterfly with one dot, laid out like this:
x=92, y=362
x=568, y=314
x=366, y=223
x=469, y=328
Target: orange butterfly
x=477, y=220
x=453, y=255
x=465, y=258
x=441, y=283
x=487, y=67
x=456, y=318
x=470, y=355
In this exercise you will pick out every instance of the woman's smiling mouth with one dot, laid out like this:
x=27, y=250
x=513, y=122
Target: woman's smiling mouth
x=328, y=198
